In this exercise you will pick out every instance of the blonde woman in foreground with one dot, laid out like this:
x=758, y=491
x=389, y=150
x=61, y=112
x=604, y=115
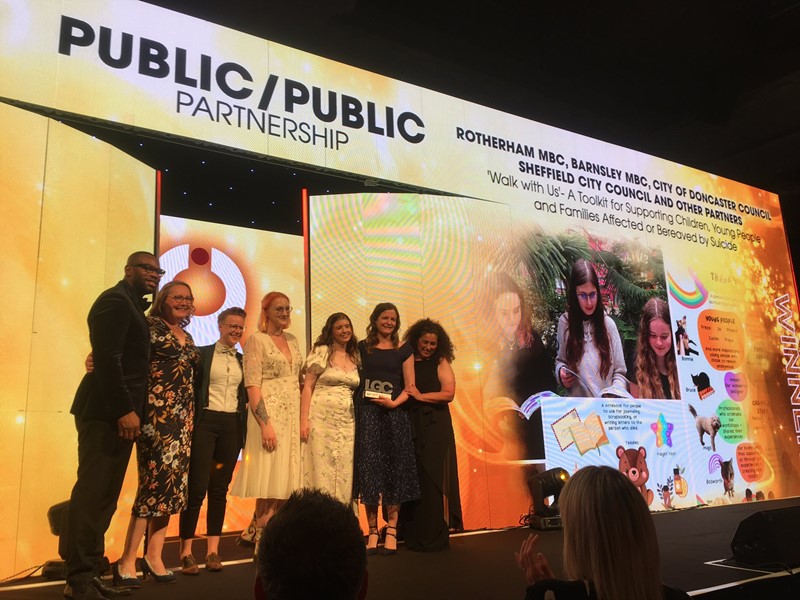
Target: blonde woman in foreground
x=610, y=545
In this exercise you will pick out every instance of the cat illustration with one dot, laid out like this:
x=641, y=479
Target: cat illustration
x=703, y=384
x=727, y=476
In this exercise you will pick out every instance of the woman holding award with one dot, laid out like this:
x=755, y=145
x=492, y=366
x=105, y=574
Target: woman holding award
x=385, y=465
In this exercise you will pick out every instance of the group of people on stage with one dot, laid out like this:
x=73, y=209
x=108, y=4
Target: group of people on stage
x=361, y=420
x=364, y=420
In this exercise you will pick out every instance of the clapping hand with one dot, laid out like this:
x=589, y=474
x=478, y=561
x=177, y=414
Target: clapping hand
x=533, y=564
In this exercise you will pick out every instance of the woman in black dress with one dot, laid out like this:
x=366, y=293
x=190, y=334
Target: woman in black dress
x=162, y=449
x=427, y=522
x=385, y=465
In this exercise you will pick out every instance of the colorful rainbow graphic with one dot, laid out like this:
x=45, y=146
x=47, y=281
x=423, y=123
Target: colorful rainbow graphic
x=693, y=299
x=714, y=463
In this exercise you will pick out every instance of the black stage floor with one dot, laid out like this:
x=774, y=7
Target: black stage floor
x=480, y=565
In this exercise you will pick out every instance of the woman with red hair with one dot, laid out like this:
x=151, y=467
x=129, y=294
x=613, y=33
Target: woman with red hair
x=270, y=470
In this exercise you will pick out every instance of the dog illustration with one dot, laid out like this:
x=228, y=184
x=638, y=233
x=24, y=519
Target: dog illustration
x=633, y=464
x=709, y=425
x=727, y=476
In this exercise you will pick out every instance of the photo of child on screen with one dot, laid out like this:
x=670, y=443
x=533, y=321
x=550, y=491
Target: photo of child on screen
x=590, y=358
x=520, y=367
x=656, y=370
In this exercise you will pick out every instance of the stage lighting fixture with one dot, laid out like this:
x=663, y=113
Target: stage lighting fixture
x=546, y=486
x=57, y=518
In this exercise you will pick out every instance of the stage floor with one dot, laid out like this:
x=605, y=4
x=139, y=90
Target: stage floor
x=480, y=565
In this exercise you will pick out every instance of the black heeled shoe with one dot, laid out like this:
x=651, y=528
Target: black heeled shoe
x=147, y=569
x=390, y=531
x=123, y=580
x=373, y=550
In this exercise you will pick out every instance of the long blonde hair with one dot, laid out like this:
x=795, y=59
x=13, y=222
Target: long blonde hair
x=647, y=375
x=609, y=536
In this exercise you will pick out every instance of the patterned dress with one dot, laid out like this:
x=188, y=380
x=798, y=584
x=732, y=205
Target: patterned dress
x=385, y=463
x=328, y=458
x=273, y=474
x=162, y=448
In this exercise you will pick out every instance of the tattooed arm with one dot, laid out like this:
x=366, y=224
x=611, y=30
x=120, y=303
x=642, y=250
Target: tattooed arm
x=258, y=407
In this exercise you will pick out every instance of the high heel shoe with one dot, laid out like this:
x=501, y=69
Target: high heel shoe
x=373, y=531
x=147, y=569
x=124, y=579
x=390, y=532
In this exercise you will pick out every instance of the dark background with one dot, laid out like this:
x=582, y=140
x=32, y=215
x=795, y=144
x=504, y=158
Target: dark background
x=712, y=85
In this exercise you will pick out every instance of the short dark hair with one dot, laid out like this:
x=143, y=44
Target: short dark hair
x=137, y=257
x=234, y=311
x=312, y=548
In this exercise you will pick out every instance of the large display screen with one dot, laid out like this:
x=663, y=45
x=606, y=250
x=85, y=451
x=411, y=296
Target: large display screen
x=521, y=203
x=717, y=421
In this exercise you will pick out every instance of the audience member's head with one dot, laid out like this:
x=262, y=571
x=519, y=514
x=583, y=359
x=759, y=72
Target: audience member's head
x=748, y=495
x=759, y=495
x=313, y=548
x=609, y=535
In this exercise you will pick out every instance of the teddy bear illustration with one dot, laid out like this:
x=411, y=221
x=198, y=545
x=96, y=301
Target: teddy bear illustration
x=634, y=464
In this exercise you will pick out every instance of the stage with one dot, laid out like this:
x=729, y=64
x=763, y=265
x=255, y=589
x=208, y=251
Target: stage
x=480, y=565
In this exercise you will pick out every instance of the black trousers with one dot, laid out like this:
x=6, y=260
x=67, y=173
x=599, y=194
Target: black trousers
x=102, y=461
x=216, y=441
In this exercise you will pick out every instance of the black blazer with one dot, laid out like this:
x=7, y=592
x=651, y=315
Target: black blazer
x=120, y=340
x=202, y=382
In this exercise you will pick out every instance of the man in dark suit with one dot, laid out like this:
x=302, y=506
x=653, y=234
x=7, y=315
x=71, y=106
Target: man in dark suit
x=220, y=425
x=108, y=407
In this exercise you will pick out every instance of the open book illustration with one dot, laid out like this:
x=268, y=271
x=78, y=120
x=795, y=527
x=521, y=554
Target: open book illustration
x=611, y=391
x=527, y=408
x=586, y=435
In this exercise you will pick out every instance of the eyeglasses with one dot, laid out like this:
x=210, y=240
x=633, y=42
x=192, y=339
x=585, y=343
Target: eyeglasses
x=150, y=269
x=235, y=327
x=182, y=299
x=283, y=309
x=587, y=297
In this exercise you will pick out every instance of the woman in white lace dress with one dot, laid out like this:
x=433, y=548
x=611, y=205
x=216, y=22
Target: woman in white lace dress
x=270, y=469
x=327, y=421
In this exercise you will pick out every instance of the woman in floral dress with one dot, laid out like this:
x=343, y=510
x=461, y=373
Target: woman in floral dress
x=327, y=422
x=162, y=448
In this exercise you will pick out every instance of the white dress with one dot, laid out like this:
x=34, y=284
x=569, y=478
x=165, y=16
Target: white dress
x=328, y=458
x=273, y=474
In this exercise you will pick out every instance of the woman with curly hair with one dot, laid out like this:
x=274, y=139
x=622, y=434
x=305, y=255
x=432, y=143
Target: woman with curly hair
x=385, y=467
x=327, y=420
x=426, y=523
x=162, y=448
x=588, y=341
x=656, y=370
